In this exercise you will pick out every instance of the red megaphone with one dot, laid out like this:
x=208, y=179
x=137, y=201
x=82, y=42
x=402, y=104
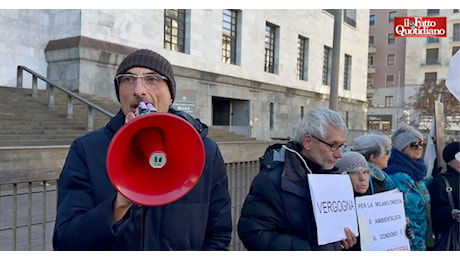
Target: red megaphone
x=155, y=159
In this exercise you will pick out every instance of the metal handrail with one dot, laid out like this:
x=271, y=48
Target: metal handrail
x=29, y=201
x=51, y=86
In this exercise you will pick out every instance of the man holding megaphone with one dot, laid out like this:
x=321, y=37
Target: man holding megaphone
x=132, y=185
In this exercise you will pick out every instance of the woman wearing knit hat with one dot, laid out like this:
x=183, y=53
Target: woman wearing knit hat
x=92, y=215
x=443, y=215
x=407, y=170
x=355, y=165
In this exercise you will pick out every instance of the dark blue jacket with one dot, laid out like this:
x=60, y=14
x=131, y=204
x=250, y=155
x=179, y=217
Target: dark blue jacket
x=278, y=213
x=201, y=220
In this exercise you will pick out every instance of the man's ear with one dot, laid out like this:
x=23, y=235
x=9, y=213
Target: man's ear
x=306, y=142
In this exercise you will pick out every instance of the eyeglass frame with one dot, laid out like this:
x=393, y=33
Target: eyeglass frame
x=360, y=171
x=416, y=145
x=333, y=147
x=161, y=77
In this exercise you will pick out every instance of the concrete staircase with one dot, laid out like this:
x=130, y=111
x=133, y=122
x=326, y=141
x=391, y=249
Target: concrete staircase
x=34, y=136
x=28, y=121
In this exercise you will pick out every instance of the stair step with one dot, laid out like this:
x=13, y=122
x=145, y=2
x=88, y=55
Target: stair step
x=38, y=137
x=27, y=120
x=51, y=132
x=32, y=143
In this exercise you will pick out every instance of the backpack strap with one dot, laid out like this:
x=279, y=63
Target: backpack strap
x=449, y=191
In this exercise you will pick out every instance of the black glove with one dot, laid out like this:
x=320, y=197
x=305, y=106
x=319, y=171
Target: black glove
x=409, y=232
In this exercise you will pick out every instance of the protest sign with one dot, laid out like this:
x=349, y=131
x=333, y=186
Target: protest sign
x=382, y=222
x=333, y=206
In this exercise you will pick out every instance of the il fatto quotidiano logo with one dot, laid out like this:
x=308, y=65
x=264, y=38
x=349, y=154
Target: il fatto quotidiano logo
x=420, y=27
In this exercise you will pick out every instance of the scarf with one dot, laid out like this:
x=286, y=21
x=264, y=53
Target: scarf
x=401, y=162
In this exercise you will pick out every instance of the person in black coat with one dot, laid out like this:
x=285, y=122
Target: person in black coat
x=93, y=215
x=442, y=214
x=277, y=213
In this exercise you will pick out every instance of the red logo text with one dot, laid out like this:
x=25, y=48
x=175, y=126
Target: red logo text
x=420, y=27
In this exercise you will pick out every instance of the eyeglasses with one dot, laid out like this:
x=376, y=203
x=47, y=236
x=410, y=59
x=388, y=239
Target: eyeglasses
x=130, y=80
x=362, y=171
x=416, y=145
x=334, y=147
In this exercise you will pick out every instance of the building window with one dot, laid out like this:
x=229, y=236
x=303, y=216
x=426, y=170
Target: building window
x=431, y=78
x=174, y=31
x=391, y=16
x=432, y=12
x=390, y=80
x=456, y=32
x=347, y=116
x=370, y=61
x=389, y=101
x=371, y=20
x=272, y=115
x=349, y=17
x=431, y=40
x=432, y=56
x=229, y=36
x=302, y=58
x=347, y=73
x=391, y=38
x=381, y=123
x=302, y=112
x=270, y=40
x=390, y=59
x=455, y=49
x=327, y=65
x=372, y=41
x=455, y=11
x=370, y=81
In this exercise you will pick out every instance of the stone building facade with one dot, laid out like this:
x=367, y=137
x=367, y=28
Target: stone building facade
x=80, y=49
x=417, y=60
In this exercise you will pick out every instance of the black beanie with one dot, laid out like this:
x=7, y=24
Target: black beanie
x=151, y=60
x=450, y=151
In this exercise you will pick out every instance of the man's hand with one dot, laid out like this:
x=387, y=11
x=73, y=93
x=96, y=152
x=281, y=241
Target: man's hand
x=130, y=116
x=120, y=207
x=142, y=109
x=350, y=239
x=122, y=204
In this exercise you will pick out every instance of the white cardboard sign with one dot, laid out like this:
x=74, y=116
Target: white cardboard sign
x=382, y=222
x=333, y=206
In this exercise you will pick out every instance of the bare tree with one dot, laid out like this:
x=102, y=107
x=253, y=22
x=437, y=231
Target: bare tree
x=423, y=102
